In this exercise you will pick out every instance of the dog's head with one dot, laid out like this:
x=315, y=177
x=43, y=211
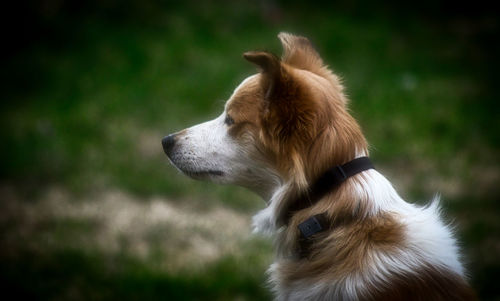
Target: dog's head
x=286, y=124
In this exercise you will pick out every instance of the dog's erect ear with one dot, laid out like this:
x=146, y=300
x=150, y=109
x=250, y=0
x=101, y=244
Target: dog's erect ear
x=300, y=53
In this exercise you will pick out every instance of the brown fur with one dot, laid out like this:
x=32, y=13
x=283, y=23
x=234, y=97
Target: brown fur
x=302, y=113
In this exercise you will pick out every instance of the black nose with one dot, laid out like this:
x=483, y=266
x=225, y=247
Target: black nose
x=168, y=143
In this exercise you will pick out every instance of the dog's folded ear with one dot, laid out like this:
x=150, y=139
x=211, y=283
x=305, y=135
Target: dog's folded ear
x=266, y=61
x=271, y=70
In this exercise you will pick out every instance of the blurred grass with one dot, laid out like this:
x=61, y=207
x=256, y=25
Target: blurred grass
x=74, y=275
x=90, y=89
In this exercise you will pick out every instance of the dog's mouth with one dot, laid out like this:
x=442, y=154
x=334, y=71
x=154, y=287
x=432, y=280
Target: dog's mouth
x=203, y=173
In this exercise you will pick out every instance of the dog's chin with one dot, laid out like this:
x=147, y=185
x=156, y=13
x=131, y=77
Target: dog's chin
x=199, y=174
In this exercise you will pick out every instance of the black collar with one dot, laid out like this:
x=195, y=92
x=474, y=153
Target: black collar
x=330, y=180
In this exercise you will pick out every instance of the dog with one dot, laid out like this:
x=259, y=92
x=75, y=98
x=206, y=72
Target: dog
x=341, y=230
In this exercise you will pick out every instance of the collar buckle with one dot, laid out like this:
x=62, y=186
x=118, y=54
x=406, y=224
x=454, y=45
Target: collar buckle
x=311, y=226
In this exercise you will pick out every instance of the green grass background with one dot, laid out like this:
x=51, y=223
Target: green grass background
x=87, y=88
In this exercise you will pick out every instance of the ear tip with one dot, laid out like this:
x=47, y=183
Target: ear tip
x=284, y=35
x=291, y=39
x=248, y=54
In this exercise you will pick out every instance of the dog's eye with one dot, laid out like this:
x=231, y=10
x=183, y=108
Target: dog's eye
x=229, y=120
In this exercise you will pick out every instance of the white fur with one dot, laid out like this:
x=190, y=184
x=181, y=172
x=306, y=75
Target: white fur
x=206, y=148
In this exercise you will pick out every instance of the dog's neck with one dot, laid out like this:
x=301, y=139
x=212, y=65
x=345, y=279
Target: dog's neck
x=270, y=219
x=330, y=180
x=363, y=196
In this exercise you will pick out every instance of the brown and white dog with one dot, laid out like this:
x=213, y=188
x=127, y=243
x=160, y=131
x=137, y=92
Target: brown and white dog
x=280, y=131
